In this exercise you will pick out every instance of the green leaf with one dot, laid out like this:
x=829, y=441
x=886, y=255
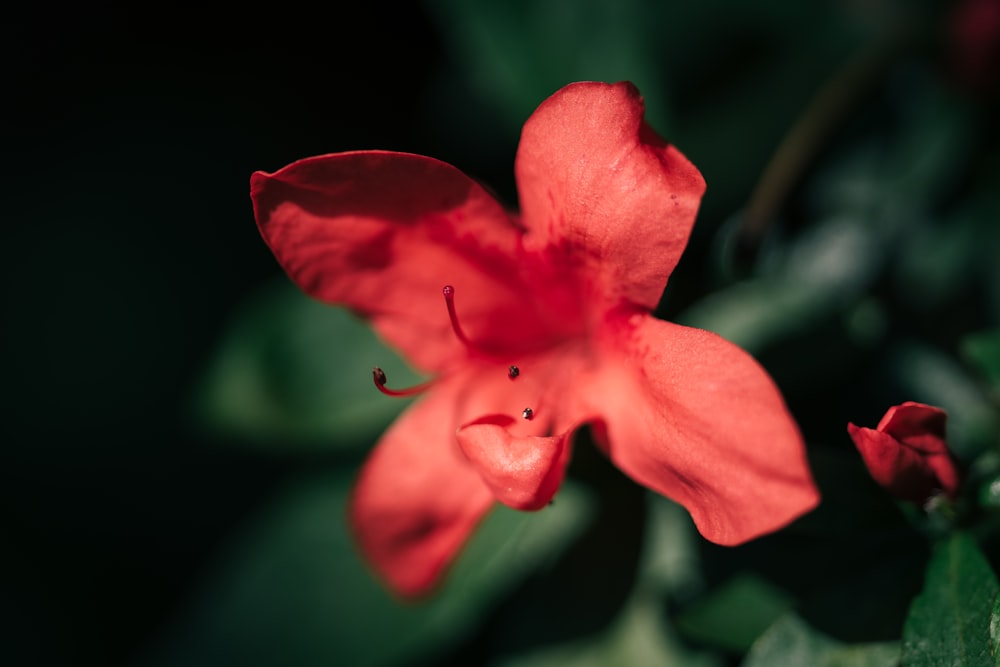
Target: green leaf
x=639, y=636
x=935, y=262
x=735, y=614
x=933, y=137
x=995, y=630
x=983, y=351
x=792, y=643
x=755, y=313
x=517, y=53
x=805, y=282
x=292, y=590
x=950, y=622
x=670, y=559
x=989, y=493
x=291, y=371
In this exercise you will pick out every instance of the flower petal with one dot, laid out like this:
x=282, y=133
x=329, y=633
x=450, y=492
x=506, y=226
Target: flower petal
x=383, y=232
x=918, y=426
x=694, y=417
x=522, y=471
x=602, y=194
x=417, y=499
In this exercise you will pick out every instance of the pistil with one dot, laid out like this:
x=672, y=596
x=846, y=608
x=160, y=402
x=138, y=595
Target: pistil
x=449, y=299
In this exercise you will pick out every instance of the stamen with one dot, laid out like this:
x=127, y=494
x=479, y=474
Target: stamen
x=528, y=413
x=378, y=376
x=513, y=372
x=449, y=299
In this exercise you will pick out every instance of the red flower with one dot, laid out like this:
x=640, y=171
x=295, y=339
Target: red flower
x=549, y=330
x=907, y=453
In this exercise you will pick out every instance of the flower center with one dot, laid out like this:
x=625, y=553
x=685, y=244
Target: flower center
x=380, y=380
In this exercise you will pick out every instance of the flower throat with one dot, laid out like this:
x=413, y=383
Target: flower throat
x=380, y=380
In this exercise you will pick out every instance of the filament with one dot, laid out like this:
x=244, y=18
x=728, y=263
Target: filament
x=378, y=376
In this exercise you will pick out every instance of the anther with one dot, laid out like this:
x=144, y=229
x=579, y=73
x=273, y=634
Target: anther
x=513, y=372
x=449, y=298
x=528, y=413
x=378, y=376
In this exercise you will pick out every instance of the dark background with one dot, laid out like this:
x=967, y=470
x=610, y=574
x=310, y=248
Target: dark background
x=130, y=134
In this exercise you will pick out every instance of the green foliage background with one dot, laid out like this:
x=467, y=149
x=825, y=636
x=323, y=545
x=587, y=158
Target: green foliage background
x=181, y=426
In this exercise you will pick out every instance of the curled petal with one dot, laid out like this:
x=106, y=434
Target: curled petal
x=522, y=471
x=417, y=499
x=602, y=195
x=694, y=417
x=921, y=427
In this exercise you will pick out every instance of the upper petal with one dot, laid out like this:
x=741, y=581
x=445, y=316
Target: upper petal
x=603, y=195
x=417, y=499
x=383, y=232
x=694, y=417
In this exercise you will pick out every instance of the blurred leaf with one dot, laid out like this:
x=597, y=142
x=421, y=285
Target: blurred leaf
x=293, y=371
x=669, y=560
x=750, y=84
x=516, y=53
x=989, y=493
x=838, y=257
x=936, y=261
x=934, y=134
x=950, y=621
x=983, y=350
x=792, y=643
x=735, y=614
x=989, y=213
x=930, y=376
x=995, y=630
x=892, y=180
x=291, y=589
x=639, y=637
x=755, y=313
x=819, y=273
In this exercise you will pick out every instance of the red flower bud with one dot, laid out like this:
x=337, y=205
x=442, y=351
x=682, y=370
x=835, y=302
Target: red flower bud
x=907, y=452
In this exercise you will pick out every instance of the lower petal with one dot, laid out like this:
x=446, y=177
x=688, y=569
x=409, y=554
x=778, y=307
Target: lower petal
x=694, y=417
x=522, y=471
x=417, y=499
